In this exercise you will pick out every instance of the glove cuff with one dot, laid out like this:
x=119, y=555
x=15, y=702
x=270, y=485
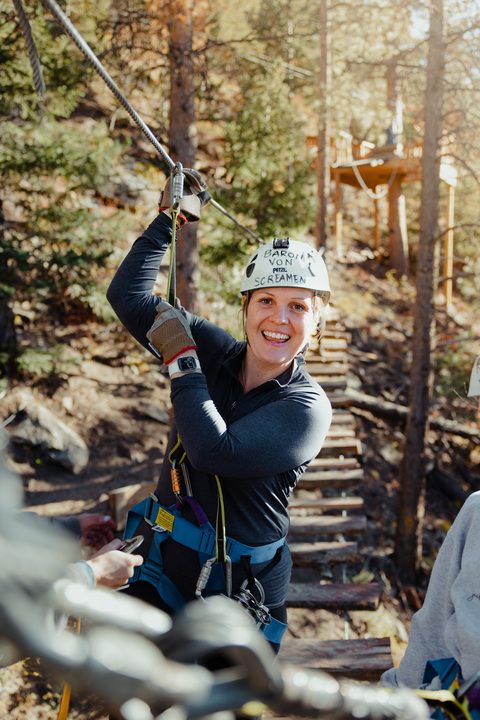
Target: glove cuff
x=171, y=339
x=181, y=219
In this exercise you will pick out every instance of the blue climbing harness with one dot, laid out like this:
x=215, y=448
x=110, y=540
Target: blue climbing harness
x=167, y=522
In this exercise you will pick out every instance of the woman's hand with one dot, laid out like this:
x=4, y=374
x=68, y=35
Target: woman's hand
x=170, y=333
x=97, y=529
x=195, y=196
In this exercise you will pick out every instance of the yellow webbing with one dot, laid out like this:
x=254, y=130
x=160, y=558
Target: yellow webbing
x=67, y=690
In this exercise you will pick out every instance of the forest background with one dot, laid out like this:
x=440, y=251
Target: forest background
x=255, y=96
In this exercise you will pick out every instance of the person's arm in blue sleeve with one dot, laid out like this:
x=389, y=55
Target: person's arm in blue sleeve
x=131, y=291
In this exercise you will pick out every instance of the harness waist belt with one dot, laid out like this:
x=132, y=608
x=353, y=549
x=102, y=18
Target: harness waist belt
x=203, y=538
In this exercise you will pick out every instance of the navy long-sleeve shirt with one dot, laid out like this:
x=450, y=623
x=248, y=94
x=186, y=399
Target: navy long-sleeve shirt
x=258, y=443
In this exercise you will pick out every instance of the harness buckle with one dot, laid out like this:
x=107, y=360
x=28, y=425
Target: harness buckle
x=148, y=507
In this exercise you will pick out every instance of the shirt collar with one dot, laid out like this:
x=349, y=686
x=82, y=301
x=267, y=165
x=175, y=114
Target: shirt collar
x=234, y=363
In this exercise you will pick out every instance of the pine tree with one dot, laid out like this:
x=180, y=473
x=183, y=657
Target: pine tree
x=51, y=169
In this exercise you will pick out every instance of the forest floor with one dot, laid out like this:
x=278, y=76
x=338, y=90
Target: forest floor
x=108, y=391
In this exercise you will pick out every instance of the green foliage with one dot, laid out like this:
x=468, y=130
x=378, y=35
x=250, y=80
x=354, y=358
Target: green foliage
x=63, y=66
x=41, y=362
x=270, y=175
x=60, y=237
x=453, y=366
x=467, y=241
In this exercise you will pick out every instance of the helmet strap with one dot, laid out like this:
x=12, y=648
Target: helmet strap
x=304, y=350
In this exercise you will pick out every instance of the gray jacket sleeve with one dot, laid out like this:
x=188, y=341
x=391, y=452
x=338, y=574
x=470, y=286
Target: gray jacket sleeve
x=448, y=623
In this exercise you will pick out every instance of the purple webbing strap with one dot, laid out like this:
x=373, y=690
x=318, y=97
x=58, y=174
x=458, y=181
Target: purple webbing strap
x=196, y=507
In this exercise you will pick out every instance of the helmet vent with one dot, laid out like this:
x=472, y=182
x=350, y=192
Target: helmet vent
x=281, y=243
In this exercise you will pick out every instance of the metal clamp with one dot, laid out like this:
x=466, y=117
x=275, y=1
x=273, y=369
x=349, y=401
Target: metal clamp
x=254, y=607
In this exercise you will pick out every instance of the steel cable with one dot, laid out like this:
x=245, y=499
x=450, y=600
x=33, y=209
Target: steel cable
x=38, y=81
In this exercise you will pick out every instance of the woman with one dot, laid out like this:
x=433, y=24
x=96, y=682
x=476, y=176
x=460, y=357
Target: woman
x=248, y=420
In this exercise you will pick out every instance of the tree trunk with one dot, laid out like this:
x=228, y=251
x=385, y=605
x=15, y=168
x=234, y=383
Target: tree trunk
x=7, y=326
x=397, y=225
x=397, y=222
x=183, y=136
x=408, y=547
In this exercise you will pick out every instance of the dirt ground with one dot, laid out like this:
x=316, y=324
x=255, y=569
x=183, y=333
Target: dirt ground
x=109, y=394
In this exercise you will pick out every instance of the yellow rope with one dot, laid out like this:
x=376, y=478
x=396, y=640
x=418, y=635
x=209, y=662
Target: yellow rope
x=221, y=518
x=67, y=690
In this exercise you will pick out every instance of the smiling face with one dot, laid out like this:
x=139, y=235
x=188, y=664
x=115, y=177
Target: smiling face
x=279, y=322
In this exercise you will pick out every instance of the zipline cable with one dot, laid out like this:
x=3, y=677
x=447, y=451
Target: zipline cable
x=38, y=81
x=87, y=51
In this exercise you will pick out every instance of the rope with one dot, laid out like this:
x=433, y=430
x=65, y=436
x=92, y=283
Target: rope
x=67, y=690
x=374, y=196
x=83, y=46
x=38, y=80
x=220, y=531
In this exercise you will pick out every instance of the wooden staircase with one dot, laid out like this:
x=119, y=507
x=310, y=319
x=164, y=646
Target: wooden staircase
x=326, y=526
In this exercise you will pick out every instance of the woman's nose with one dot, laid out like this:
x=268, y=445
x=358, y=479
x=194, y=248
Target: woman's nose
x=280, y=314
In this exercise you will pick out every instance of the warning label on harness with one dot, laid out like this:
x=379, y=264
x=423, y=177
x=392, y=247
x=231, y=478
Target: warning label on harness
x=165, y=519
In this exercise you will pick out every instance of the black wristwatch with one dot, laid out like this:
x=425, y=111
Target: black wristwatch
x=184, y=364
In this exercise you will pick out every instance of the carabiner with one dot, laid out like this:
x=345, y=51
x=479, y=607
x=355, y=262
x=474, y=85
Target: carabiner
x=204, y=577
x=175, y=475
x=228, y=575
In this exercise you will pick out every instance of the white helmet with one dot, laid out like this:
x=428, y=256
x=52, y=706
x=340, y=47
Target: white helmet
x=287, y=263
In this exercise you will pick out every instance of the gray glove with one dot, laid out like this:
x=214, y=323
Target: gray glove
x=195, y=195
x=170, y=333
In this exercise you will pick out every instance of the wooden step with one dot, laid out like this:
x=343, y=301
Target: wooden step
x=342, y=446
x=339, y=356
x=362, y=659
x=339, y=399
x=327, y=524
x=321, y=504
x=336, y=332
x=339, y=431
x=343, y=417
x=334, y=596
x=333, y=343
x=332, y=382
x=306, y=554
x=312, y=479
x=324, y=463
x=320, y=367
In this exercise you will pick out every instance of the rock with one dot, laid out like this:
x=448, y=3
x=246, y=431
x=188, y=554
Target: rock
x=153, y=412
x=40, y=428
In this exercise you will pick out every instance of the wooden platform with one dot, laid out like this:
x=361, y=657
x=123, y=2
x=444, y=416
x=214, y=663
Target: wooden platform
x=332, y=596
x=364, y=659
x=327, y=524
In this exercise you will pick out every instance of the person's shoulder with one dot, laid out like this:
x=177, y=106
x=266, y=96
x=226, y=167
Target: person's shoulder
x=304, y=386
x=303, y=375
